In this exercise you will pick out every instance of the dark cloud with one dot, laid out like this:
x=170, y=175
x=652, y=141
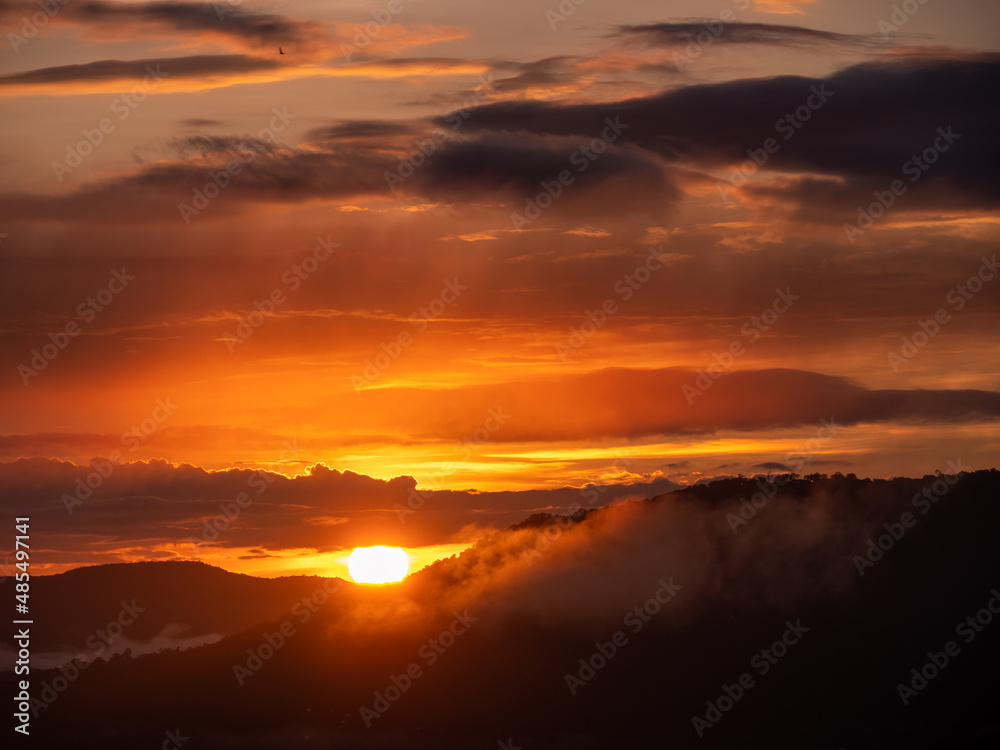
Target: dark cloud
x=274, y=174
x=200, y=122
x=638, y=403
x=143, y=501
x=772, y=466
x=222, y=20
x=361, y=129
x=193, y=66
x=537, y=74
x=834, y=200
x=611, y=403
x=684, y=32
x=501, y=169
x=264, y=28
x=876, y=117
x=416, y=64
x=489, y=164
x=231, y=146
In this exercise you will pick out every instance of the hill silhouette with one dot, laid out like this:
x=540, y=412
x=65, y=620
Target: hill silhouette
x=373, y=666
x=181, y=601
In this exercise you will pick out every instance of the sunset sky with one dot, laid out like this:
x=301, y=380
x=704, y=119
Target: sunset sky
x=483, y=248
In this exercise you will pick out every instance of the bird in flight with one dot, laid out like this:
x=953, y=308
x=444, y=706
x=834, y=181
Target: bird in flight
x=281, y=51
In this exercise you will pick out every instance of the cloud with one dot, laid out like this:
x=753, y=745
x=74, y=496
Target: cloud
x=541, y=78
x=259, y=29
x=781, y=7
x=611, y=404
x=261, y=37
x=863, y=130
x=474, y=236
x=201, y=122
x=273, y=173
x=492, y=164
x=194, y=66
x=624, y=403
x=409, y=66
x=359, y=47
x=361, y=130
x=227, y=146
x=494, y=168
x=223, y=22
x=865, y=126
x=276, y=513
x=681, y=33
x=773, y=466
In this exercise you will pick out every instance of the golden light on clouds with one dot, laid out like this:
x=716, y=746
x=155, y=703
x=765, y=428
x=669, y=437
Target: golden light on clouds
x=336, y=336
x=503, y=269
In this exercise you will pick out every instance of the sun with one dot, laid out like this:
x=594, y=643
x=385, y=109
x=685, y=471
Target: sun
x=378, y=564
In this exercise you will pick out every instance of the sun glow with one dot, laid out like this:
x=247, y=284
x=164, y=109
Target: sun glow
x=378, y=564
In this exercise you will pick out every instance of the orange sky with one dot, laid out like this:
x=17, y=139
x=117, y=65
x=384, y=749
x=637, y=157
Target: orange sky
x=493, y=250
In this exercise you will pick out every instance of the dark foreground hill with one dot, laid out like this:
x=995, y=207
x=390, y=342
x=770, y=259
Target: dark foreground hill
x=178, y=602
x=820, y=613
